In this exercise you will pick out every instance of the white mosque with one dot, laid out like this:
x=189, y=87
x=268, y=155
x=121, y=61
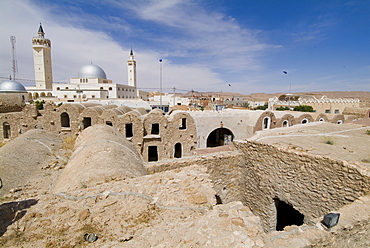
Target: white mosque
x=91, y=82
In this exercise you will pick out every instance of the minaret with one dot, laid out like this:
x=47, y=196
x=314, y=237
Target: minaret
x=42, y=60
x=131, y=69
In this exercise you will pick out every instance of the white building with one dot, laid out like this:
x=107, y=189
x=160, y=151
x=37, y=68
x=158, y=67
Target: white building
x=91, y=81
x=167, y=101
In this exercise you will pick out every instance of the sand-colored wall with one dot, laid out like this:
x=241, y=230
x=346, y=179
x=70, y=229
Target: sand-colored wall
x=313, y=185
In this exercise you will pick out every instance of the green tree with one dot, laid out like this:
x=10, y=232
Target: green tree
x=281, y=108
x=303, y=108
x=245, y=104
x=264, y=107
x=40, y=104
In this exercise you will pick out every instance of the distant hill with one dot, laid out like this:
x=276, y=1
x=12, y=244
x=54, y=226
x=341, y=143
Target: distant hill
x=364, y=96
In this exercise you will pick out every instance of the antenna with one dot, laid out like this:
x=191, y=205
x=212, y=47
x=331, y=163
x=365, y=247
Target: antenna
x=14, y=57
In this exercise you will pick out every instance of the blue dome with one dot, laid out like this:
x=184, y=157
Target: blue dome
x=12, y=87
x=91, y=71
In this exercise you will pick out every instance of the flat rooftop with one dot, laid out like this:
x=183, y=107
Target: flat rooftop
x=347, y=142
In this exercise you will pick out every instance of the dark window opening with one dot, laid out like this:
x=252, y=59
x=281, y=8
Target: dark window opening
x=304, y=121
x=129, y=132
x=220, y=137
x=152, y=153
x=109, y=123
x=86, y=122
x=183, y=123
x=178, y=150
x=266, y=123
x=155, y=128
x=64, y=119
x=6, y=130
x=286, y=215
x=218, y=200
x=285, y=123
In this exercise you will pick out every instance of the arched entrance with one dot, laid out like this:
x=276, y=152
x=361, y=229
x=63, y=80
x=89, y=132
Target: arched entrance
x=266, y=123
x=178, y=150
x=64, y=119
x=220, y=137
x=6, y=130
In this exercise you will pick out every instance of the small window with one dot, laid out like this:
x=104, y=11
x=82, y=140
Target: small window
x=182, y=123
x=58, y=88
x=93, y=96
x=327, y=111
x=66, y=88
x=109, y=123
x=110, y=88
x=155, y=128
x=129, y=132
x=336, y=111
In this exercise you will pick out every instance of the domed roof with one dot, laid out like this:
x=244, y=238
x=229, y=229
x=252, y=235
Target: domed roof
x=91, y=71
x=12, y=86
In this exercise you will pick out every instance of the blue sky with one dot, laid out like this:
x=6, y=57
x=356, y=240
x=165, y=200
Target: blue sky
x=205, y=45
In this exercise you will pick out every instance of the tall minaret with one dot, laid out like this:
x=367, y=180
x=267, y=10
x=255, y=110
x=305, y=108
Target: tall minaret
x=131, y=69
x=42, y=60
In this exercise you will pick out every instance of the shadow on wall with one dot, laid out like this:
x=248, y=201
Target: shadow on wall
x=11, y=212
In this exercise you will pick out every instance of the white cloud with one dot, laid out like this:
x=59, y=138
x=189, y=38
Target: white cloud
x=73, y=47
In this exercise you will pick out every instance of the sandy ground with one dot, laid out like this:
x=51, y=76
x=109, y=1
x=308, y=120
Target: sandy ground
x=349, y=142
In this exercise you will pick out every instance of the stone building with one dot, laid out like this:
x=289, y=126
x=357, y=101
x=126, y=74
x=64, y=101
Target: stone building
x=156, y=136
x=91, y=81
x=320, y=105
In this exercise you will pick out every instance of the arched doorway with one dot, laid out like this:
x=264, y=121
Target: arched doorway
x=285, y=123
x=266, y=123
x=64, y=119
x=304, y=121
x=178, y=150
x=220, y=137
x=6, y=130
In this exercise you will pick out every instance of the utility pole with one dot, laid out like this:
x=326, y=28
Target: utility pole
x=174, y=90
x=160, y=83
x=14, y=58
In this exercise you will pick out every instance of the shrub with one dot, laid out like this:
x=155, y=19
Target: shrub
x=303, y=108
x=264, y=107
x=40, y=104
x=281, y=108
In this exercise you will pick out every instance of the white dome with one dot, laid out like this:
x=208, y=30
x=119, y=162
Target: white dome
x=91, y=71
x=12, y=86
